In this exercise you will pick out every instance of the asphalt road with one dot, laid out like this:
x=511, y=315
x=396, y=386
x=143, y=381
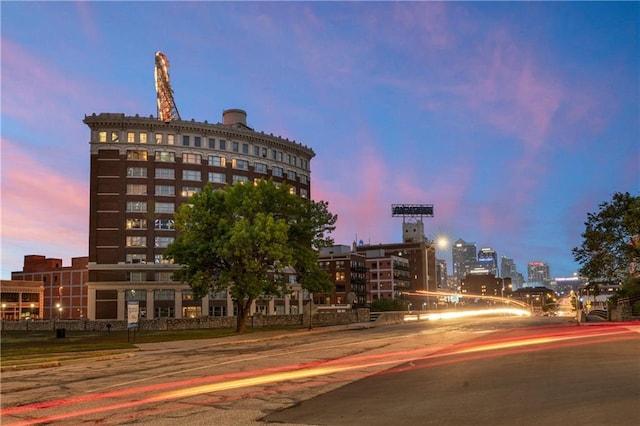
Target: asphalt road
x=498, y=371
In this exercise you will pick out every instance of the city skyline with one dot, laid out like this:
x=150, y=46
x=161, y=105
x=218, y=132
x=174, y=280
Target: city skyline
x=512, y=120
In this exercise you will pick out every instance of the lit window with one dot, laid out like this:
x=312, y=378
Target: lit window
x=217, y=177
x=191, y=175
x=217, y=161
x=137, y=206
x=240, y=164
x=136, y=189
x=260, y=168
x=163, y=241
x=191, y=158
x=171, y=139
x=164, y=224
x=166, y=190
x=143, y=137
x=136, y=258
x=131, y=137
x=165, y=207
x=240, y=179
x=136, y=241
x=115, y=137
x=188, y=191
x=292, y=191
x=340, y=276
x=102, y=136
x=165, y=174
x=136, y=154
x=158, y=258
x=136, y=223
x=168, y=157
x=159, y=138
x=136, y=171
x=277, y=171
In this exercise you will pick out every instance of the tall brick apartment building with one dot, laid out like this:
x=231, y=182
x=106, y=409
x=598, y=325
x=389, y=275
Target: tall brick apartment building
x=142, y=170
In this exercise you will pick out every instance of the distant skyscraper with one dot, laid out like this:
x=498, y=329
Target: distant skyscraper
x=464, y=256
x=538, y=273
x=488, y=259
x=507, y=267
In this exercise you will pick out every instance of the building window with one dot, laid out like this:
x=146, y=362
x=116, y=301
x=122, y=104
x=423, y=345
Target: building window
x=223, y=145
x=163, y=276
x=136, y=154
x=136, y=241
x=212, y=143
x=245, y=148
x=240, y=164
x=217, y=177
x=164, y=295
x=340, y=276
x=185, y=140
x=158, y=138
x=277, y=171
x=171, y=139
x=197, y=141
x=165, y=156
x=190, y=158
x=115, y=137
x=143, y=137
x=188, y=191
x=136, y=172
x=303, y=179
x=280, y=156
x=165, y=207
x=160, y=259
x=162, y=242
x=137, y=206
x=217, y=161
x=165, y=174
x=166, y=190
x=136, y=189
x=136, y=258
x=217, y=311
x=135, y=276
x=191, y=175
x=235, y=146
x=274, y=154
x=131, y=294
x=241, y=179
x=131, y=137
x=304, y=193
x=102, y=136
x=256, y=150
x=164, y=224
x=260, y=168
x=292, y=191
x=136, y=224
x=291, y=175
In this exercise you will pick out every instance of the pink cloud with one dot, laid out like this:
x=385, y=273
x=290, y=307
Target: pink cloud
x=41, y=208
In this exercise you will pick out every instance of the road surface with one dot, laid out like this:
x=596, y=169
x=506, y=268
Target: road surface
x=493, y=371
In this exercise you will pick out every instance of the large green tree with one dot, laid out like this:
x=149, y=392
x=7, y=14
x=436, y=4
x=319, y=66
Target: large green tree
x=611, y=245
x=240, y=238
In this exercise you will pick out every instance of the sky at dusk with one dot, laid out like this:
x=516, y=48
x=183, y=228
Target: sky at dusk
x=514, y=119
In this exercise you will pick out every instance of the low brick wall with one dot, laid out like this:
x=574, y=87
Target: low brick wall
x=255, y=321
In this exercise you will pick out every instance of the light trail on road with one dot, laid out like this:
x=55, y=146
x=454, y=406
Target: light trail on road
x=357, y=367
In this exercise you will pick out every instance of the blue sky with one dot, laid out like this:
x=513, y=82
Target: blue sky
x=514, y=119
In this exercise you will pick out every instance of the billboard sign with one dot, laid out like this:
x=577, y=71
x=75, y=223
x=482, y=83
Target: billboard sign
x=412, y=210
x=133, y=311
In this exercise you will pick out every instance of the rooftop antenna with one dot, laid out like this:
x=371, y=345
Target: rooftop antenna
x=167, y=109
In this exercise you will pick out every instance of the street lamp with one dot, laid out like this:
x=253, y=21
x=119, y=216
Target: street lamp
x=31, y=311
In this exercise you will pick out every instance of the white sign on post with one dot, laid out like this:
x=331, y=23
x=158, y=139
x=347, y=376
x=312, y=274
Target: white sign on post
x=133, y=310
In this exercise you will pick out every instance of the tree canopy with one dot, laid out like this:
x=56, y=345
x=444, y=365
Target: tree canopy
x=610, y=249
x=240, y=238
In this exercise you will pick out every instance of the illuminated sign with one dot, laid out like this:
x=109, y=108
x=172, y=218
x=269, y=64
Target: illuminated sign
x=412, y=210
